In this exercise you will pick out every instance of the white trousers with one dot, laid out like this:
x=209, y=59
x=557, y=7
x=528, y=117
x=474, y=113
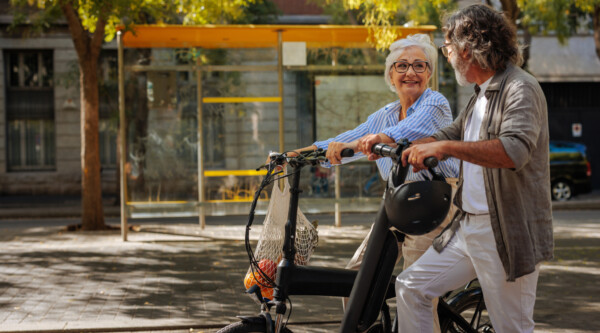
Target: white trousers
x=471, y=253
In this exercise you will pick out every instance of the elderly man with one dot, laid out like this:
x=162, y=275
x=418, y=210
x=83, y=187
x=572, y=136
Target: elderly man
x=503, y=226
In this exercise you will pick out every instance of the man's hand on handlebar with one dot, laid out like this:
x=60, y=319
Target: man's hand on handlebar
x=366, y=142
x=416, y=154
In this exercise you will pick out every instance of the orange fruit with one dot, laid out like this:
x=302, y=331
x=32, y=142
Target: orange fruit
x=252, y=278
x=269, y=267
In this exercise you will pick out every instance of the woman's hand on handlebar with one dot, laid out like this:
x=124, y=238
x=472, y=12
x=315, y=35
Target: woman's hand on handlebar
x=368, y=141
x=417, y=153
x=334, y=151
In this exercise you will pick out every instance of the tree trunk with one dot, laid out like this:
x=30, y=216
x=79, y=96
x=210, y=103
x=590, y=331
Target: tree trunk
x=91, y=185
x=596, y=20
x=88, y=48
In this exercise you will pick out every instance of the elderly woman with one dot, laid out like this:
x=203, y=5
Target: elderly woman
x=418, y=113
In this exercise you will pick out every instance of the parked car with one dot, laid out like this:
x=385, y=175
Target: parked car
x=570, y=170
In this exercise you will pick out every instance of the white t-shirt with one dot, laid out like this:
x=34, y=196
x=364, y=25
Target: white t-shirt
x=474, y=200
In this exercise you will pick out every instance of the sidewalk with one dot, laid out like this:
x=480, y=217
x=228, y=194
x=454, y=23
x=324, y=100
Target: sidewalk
x=179, y=278
x=51, y=280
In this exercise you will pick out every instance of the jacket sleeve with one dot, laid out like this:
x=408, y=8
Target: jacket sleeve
x=522, y=118
x=452, y=132
x=426, y=120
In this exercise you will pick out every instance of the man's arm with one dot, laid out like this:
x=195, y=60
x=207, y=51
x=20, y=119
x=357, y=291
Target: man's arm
x=488, y=153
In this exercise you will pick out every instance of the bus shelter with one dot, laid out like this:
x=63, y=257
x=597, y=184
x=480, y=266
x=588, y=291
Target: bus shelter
x=200, y=107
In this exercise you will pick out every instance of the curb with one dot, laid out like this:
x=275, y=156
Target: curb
x=115, y=212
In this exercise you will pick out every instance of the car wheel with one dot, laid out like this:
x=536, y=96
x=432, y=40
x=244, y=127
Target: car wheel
x=561, y=190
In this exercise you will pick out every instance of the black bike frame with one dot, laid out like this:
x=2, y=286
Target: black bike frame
x=368, y=288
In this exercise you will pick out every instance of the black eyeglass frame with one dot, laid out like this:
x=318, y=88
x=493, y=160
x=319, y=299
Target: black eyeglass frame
x=444, y=49
x=410, y=65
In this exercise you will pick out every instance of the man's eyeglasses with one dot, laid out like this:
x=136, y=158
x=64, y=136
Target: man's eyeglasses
x=444, y=49
x=403, y=66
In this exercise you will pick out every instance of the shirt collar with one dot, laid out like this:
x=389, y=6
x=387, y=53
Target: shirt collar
x=483, y=86
x=421, y=98
x=497, y=79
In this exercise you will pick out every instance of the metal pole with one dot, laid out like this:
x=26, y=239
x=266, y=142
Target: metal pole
x=200, y=140
x=338, y=214
x=435, y=79
x=280, y=82
x=123, y=137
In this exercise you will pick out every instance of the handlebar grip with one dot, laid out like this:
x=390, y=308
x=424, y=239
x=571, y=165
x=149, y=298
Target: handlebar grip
x=347, y=152
x=431, y=162
x=382, y=149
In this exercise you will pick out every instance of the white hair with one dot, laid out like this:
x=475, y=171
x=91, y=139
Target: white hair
x=421, y=40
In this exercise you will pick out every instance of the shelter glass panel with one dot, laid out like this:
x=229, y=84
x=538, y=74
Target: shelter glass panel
x=162, y=143
x=342, y=103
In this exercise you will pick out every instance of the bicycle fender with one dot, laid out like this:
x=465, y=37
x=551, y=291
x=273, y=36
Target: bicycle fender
x=252, y=320
x=262, y=319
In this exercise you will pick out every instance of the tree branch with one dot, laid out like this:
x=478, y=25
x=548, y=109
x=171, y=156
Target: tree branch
x=80, y=37
x=98, y=37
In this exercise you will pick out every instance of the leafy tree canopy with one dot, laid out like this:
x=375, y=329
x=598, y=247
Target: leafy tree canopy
x=380, y=15
x=40, y=14
x=560, y=17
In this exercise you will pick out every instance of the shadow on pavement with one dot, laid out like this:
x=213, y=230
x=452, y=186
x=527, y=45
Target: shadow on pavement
x=50, y=276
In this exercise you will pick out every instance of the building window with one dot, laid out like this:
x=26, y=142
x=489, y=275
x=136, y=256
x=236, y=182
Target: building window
x=30, y=110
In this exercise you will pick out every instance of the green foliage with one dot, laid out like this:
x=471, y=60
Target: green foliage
x=40, y=14
x=381, y=15
x=543, y=16
x=259, y=12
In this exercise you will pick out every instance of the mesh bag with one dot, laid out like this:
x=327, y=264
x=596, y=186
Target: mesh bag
x=269, y=249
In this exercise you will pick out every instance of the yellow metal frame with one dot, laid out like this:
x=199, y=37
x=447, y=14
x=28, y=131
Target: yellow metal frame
x=208, y=100
x=225, y=173
x=255, y=36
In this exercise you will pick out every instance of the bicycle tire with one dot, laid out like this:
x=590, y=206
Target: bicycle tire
x=246, y=327
x=466, y=304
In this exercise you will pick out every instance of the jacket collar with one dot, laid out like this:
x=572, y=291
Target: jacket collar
x=497, y=79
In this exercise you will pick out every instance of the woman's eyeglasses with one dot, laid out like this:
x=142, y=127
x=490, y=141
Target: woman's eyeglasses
x=403, y=66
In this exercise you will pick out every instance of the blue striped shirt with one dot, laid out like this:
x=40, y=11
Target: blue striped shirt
x=427, y=115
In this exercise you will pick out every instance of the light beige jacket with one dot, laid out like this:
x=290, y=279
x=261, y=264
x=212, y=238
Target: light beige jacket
x=518, y=199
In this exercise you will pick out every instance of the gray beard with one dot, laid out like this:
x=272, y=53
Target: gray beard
x=460, y=68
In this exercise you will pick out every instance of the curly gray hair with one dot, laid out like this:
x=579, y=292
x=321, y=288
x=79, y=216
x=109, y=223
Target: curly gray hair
x=420, y=40
x=489, y=38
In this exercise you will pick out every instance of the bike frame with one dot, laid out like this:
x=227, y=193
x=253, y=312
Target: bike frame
x=368, y=288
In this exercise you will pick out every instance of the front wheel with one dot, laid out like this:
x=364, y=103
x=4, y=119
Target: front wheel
x=471, y=307
x=245, y=327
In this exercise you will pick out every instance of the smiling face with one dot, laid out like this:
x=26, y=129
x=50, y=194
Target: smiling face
x=410, y=84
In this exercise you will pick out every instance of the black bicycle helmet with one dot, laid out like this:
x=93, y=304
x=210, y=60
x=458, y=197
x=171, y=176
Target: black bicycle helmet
x=419, y=207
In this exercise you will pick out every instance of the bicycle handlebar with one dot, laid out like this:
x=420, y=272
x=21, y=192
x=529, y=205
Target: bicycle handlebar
x=306, y=157
x=384, y=150
x=347, y=152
